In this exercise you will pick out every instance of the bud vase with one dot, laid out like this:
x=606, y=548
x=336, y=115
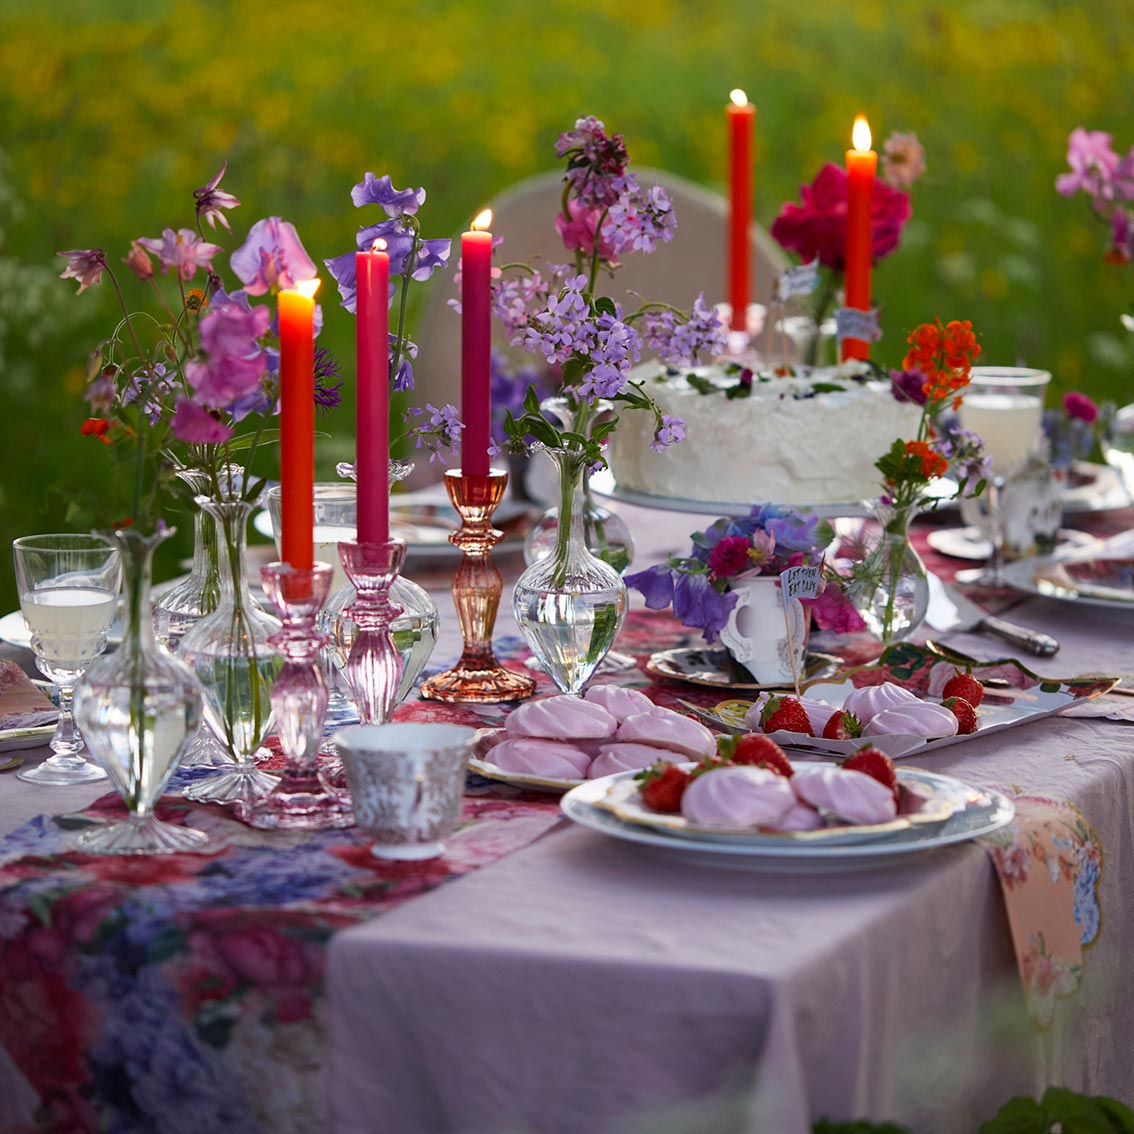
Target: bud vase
x=888, y=584
x=235, y=663
x=570, y=605
x=137, y=708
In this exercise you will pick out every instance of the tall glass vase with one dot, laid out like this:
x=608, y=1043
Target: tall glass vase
x=889, y=586
x=137, y=708
x=570, y=605
x=235, y=663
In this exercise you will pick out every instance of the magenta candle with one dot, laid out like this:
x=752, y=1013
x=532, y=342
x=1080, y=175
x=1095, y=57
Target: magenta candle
x=476, y=345
x=372, y=413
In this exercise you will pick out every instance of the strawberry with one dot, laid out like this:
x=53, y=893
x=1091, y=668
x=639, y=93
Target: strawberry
x=876, y=764
x=663, y=785
x=965, y=713
x=842, y=725
x=786, y=713
x=964, y=685
x=759, y=751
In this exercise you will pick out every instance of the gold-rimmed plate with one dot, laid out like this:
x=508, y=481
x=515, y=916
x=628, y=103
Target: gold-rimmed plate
x=711, y=666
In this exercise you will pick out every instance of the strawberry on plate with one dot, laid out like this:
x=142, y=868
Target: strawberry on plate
x=663, y=785
x=966, y=686
x=784, y=712
x=757, y=750
x=965, y=712
x=842, y=725
x=874, y=763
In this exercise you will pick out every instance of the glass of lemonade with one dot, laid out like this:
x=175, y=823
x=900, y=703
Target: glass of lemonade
x=1004, y=404
x=68, y=587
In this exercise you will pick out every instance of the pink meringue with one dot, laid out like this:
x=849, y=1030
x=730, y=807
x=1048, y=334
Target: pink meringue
x=737, y=797
x=818, y=713
x=620, y=703
x=801, y=817
x=872, y=699
x=853, y=797
x=616, y=757
x=562, y=717
x=533, y=757
x=663, y=728
x=920, y=718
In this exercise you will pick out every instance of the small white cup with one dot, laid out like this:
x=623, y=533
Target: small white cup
x=756, y=633
x=407, y=782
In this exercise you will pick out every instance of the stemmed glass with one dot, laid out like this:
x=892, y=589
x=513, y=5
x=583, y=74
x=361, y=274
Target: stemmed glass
x=68, y=588
x=1004, y=405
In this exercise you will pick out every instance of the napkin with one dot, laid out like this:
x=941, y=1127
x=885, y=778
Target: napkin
x=22, y=704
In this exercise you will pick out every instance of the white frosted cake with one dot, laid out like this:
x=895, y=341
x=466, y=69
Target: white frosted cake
x=791, y=440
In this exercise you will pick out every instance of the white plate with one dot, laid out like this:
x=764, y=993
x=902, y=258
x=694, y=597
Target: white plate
x=969, y=543
x=19, y=738
x=1023, y=575
x=980, y=812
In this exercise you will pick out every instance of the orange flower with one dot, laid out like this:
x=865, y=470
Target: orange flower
x=195, y=300
x=96, y=427
x=932, y=464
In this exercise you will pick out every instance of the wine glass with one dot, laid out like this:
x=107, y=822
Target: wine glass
x=68, y=587
x=1004, y=405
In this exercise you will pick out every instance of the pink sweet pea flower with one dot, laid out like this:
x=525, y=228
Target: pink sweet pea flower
x=272, y=256
x=182, y=251
x=222, y=380
x=1093, y=164
x=197, y=425
x=578, y=233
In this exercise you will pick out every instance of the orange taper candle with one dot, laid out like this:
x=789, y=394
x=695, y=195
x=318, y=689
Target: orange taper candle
x=862, y=162
x=741, y=117
x=297, y=423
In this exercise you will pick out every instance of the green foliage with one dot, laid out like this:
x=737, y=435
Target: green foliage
x=1064, y=1112
x=861, y=1127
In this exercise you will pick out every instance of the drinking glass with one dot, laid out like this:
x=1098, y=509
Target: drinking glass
x=68, y=587
x=1004, y=405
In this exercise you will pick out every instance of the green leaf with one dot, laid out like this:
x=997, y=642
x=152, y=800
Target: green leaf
x=1017, y=1116
x=738, y=391
x=603, y=429
x=701, y=385
x=531, y=400
x=827, y=388
x=861, y=1126
x=604, y=305
x=1083, y=1114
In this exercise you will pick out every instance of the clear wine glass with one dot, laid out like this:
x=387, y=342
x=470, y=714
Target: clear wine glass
x=68, y=586
x=1004, y=405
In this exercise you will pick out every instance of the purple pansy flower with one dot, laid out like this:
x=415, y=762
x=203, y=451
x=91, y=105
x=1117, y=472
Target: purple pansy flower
x=380, y=191
x=182, y=251
x=211, y=200
x=272, y=256
x=85, y=265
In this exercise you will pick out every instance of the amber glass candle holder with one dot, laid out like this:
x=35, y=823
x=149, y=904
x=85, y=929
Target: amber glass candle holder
x=477, y=586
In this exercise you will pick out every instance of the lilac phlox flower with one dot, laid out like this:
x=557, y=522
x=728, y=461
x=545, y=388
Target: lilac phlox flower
x=440, y=434
x=513, y=299
x=182, y=251
x=562, y=328
x=85, y=265
x=696, y=602
x=596, y=162
x=671, y=430
x=964, y=450
x=908, y=386
x=151, y=388
x=272, y=256
x=211, y=200
x=684, y=341
x=655, y=584
x=613, y=348
x=197, y=425
x=380, y=191
x=1093, y=165
x=639, y=220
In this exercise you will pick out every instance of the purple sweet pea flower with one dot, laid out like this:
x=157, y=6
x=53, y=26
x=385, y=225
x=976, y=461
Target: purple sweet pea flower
x=696, y=602
x=908, y=386
x=656, y=585
x=198, y=426
x=211, y=200
x=380, y=191
x=182, y=251
x=85, y=265
x=272, y=256
x=1093, y=163
x=262, y=400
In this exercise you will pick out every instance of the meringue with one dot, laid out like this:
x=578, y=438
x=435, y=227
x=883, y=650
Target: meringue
x=618, y=702
x=617, y=757
x=801, y=817
x=921, y=718
x=866, y=702
x=737, y=796
x=663, y=728
x=562, y=717
x=533, y=757
x=853, y=797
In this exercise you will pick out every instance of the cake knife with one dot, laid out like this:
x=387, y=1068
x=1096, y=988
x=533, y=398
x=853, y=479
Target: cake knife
x=951, y=610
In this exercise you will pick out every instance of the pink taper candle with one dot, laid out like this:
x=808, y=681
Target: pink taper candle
x=372, y=415
x=476, y=345
x=741, y=117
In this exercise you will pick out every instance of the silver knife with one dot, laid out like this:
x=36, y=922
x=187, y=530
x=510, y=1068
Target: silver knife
x=951, y=610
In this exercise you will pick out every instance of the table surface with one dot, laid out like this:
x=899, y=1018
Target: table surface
x=588, y=984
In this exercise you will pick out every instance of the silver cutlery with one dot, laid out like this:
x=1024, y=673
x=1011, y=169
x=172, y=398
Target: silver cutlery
x=950, y=610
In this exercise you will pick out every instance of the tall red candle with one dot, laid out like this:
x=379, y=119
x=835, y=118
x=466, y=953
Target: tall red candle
x=372, y=406
x=741, y=117
x=862, y=162
x=476, y=345
x=297, y=423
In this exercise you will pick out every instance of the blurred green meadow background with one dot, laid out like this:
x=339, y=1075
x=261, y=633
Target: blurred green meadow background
x=113, y=111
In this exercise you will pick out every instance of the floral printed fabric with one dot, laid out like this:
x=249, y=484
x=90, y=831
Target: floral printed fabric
x=184, y=993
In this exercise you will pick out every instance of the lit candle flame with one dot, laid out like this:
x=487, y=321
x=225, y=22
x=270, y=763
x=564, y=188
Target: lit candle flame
x=738, y=97
x=307, y=288
x=483, y=220
x=860, y=135
x=379, y=245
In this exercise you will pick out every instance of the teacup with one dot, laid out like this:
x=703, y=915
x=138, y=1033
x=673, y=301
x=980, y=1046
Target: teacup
x=407, y=782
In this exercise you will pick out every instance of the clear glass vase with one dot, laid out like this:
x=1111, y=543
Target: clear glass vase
x=570, y=605
x=888, y=584
x=235, y=663
x=605, y=532
x=137, y=708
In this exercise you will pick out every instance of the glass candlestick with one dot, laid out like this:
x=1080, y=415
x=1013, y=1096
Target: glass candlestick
x=302, y=800
x=373, y=668
x=477, y=585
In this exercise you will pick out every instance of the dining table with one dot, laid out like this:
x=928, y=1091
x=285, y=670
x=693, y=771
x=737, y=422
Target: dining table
x=545, y=978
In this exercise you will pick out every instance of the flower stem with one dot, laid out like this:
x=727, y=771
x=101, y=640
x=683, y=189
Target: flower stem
x=395, y=362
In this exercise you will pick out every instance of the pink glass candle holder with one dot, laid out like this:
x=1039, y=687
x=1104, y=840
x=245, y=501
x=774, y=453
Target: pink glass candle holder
x=477, y=585
x=302, y=800
x=374, y=667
